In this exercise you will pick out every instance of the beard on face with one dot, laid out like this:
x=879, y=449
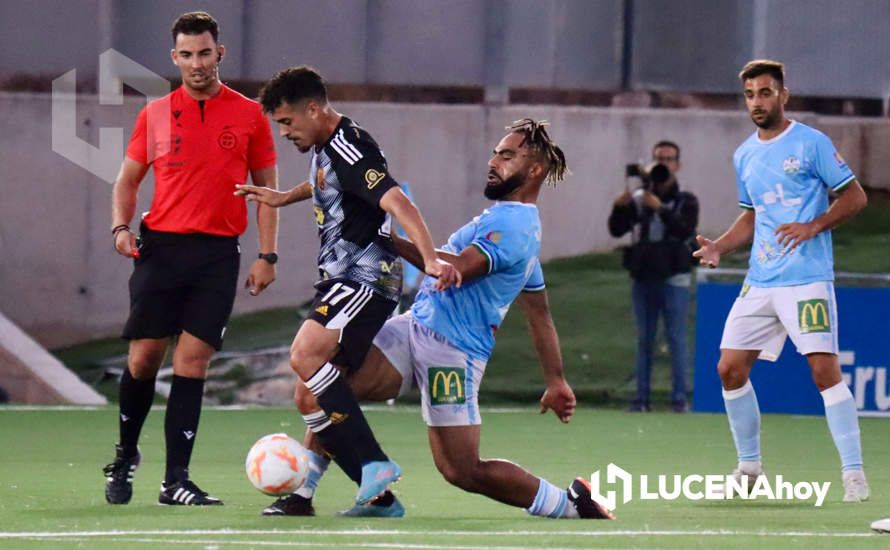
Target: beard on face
x=770, y=119
x=497, y=191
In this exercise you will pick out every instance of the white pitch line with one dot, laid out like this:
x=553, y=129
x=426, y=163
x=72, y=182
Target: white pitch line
x=226, y=542
x=397, y=532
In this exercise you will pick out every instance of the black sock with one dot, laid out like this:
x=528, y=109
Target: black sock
x=338, y=446
x=135, y=398
x=181, y=424
x=336, y=399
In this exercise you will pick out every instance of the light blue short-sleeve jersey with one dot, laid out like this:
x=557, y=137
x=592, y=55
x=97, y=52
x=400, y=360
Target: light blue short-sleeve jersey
x=508, y=234
x=786, y=179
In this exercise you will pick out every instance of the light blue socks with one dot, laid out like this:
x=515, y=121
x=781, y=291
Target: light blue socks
x=744, y=421
x=317, y=466
x=552, y=502
x=843, y=422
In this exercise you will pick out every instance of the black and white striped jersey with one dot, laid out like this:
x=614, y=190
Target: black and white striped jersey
x=349, y=177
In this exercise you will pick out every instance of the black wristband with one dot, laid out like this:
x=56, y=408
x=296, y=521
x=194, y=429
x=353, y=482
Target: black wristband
x=118, y=228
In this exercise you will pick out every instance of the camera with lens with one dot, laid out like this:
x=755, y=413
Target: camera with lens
x=650, y=174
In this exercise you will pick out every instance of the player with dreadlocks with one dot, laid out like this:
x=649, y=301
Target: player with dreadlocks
x=443, y=343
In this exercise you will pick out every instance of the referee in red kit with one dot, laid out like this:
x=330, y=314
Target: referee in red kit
x=187, y=255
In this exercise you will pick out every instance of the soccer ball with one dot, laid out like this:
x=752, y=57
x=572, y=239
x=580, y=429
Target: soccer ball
x=277, y=464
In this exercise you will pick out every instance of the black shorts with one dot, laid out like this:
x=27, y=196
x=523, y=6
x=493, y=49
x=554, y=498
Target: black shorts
x=183, y=282
x=356, y=311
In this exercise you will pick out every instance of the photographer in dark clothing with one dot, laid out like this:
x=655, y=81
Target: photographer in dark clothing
x=663, y=220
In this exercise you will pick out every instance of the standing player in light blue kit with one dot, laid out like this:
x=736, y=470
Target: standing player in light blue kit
x=784, y=172
x=444, y=342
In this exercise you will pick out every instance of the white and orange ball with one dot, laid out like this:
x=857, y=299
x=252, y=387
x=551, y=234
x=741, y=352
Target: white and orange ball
x=277, y=464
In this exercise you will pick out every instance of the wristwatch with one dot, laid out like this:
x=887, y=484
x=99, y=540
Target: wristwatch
x=271, y=257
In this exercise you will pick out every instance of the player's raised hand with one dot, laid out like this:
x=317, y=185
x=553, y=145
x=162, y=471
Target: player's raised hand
x=446, y=274
x=561, y=399
x=792, y=234
x=262, y=195
x=707, y=253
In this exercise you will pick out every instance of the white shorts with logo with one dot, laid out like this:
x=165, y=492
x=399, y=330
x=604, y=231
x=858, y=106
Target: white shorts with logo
x=447, y=377
x=762, y=317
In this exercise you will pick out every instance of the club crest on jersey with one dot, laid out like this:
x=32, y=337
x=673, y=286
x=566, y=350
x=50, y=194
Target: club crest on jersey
x=373, y=177
x=227, y=140
x=791, y=165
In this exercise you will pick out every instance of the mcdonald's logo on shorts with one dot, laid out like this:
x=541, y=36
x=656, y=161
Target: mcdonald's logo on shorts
x=813, y=316
x=447, y=386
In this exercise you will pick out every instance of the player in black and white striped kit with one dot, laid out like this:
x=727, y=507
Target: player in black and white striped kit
x=359, y=282
x=347, y=175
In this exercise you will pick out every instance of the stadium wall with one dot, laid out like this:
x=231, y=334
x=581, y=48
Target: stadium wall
x=61, y=281
x=832, y=48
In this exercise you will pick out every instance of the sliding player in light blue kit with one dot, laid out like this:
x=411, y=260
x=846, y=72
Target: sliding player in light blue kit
x=444, y=342
x=784, y=172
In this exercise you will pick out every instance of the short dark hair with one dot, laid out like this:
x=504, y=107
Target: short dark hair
x=757, y=67
x=667, y=143
x=194, y=23
x=293, y=85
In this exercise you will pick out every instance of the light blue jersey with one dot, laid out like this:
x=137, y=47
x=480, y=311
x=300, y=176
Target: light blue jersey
x=786, y=179
x=508, y=234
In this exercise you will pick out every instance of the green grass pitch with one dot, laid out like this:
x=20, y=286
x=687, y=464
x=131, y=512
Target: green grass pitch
x=51, y=486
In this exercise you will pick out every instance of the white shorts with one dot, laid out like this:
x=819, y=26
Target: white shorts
x=447, y=377
x=762, y=317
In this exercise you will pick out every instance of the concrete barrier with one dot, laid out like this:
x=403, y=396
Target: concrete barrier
x=61, y=281
x=31, y=375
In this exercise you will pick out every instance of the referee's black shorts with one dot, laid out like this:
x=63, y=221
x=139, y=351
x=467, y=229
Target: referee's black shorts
x=183, y=282
x=356, y=311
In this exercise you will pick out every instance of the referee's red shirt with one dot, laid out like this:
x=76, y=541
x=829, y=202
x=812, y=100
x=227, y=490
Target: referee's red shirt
x=211, y=146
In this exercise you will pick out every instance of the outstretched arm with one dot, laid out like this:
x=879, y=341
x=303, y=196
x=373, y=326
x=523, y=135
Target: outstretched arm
x=470, y=263
x=740, y=233
x=558, y=395
x=406, y=214
x=272, y=197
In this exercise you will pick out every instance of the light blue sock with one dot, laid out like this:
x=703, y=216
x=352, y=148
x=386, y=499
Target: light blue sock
x=551, y=502
x=317, y=466
x=843, y=421
x=744, y=421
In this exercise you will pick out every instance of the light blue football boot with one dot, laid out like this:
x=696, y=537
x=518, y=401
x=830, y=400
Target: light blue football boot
x=394, y=510
x=376, y=477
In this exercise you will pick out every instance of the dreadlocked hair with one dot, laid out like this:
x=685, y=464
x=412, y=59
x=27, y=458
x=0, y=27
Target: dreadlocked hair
x=538, y=140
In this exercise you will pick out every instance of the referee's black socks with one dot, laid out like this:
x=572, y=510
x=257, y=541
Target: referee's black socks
x=135, y=398
x=351, y=427
x=181, y=424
